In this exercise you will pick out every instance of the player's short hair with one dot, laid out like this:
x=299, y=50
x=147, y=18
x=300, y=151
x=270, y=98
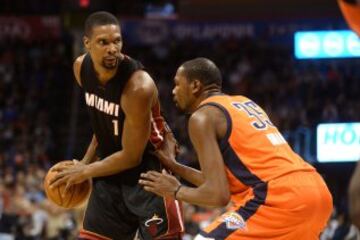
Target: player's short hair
x=204, y=70
x=98, y=19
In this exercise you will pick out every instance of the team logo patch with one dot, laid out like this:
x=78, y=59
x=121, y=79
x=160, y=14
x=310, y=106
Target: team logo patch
x=233, y=220
x=154, y=220
x=152, y=223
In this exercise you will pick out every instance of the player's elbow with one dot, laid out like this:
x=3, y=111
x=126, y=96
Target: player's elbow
x=135, y=161
x=222, y=199
x=216, y=195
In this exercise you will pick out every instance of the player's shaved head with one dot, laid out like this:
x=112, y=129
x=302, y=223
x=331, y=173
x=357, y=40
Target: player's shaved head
x=204, y=70
x=99, y=19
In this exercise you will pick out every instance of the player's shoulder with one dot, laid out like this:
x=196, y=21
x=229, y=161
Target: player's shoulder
x=77, y=67
x=79, y=60
x=140, y=85
x=204, y=116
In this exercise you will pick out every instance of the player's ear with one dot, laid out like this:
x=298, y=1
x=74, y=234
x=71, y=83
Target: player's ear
x=196, y=86
x=86, y=41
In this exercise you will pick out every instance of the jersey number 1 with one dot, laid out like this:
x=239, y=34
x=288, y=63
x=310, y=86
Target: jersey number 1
x=116, y=127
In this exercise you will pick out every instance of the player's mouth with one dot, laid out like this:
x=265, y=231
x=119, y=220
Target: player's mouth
x=110, y=59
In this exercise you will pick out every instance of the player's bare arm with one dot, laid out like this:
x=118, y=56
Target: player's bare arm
x=90, y=155
x=77, y=68
x=138, y=98
x=167, y=157
x=354, y=195
x=212, y=192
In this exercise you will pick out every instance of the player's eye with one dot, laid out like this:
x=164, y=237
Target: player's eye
x=102, y=42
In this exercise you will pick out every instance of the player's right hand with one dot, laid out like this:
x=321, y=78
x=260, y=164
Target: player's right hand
x=66, y=165
x=168, y=151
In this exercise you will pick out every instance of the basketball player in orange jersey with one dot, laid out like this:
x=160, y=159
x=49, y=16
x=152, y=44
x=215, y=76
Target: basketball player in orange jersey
x=124, y=109
x=244, y=159
x=351, y=12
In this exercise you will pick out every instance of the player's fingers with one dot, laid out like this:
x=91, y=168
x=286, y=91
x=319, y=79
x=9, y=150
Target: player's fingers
x=165, y=172
x=148, y=177
x=60, y=168
x=151, y=175
x=154, y=176
x=146, y=183
x=56, y=178
x=67, y=187
x=149, y=189
x=58, y=182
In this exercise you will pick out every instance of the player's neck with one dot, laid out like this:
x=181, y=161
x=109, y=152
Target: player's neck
x=206, y=93
x=104, y=74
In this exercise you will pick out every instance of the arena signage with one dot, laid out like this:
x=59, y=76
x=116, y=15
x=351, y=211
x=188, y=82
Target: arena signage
x=326, y=44
x=338, y=142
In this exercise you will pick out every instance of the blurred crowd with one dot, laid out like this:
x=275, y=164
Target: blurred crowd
x=36, y=86
x=31, y=106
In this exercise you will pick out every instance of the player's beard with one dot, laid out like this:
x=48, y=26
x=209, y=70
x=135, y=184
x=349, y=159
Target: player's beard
x=110, y=65
x=180, y=109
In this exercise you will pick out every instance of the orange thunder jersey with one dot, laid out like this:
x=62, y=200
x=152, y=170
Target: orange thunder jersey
x=254, y=151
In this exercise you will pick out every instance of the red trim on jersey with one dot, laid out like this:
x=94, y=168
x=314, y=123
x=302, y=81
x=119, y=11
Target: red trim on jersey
x=157, y=127
x=84, y=234
x=175, y=219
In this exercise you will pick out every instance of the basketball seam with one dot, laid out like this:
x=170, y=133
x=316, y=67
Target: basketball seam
x=60, y=196
x=72, y=195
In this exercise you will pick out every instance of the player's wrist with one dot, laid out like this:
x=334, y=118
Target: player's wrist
x=177, y=191
x=87, y=173
x=85, y=160
x=175, y=166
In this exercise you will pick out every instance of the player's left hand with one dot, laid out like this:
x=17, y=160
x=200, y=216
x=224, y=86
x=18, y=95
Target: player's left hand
x=69, y=175
x=168, y=151
x=162, y=184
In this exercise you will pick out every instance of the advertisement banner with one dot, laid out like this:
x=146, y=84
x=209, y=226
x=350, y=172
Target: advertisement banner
x=338, y=142
x=145, y=31
x=326, y=44
x=153, y=32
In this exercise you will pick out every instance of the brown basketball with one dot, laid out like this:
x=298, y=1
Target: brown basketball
x=75, y=196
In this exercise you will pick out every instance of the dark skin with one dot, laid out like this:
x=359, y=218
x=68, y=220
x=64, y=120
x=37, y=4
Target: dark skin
x=138, y=97
x=206, y=126
x=354, y=197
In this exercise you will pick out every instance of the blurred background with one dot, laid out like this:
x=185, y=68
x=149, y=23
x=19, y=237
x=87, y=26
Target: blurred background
x=296, y=59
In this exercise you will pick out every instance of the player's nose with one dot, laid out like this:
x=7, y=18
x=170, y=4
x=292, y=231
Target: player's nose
x=112, y=49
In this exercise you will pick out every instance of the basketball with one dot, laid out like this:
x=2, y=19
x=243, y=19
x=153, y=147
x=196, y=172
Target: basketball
x=75, y=196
